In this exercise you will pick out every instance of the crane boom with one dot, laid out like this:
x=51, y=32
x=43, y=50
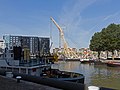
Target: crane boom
x=67, y=51
x=59, y=28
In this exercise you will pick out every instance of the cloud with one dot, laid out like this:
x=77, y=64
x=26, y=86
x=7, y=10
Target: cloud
x=81, y=30
x=72, y=19
x=111, y=18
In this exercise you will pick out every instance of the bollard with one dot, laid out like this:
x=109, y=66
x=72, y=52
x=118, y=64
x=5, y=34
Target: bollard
x=18, y=79
x=93, y=88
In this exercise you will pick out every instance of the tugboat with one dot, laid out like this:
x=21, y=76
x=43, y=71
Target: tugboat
x=38, y=67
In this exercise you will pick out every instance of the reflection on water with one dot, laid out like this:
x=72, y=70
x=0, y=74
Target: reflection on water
x=98, y=75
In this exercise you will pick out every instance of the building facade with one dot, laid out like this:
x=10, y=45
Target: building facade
x=2, y=48
x=44, y=47
x=32, y=47
x=2, y=43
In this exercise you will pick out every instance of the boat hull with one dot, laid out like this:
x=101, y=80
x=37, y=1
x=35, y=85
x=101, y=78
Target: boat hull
x=114, y=64
x=45, y=72
x=64, y=75
x=86, y=61
x=74, y=59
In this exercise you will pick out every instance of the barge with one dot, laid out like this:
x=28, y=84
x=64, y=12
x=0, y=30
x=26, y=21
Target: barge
x=43, y=71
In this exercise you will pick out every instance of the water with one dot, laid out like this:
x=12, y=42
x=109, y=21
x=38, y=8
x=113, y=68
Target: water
x=97, y=75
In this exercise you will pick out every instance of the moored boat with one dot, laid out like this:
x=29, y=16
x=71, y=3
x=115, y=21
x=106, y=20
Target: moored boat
x=63, y=75
x=84, y=60
x=19, y=58
x=113, y=64
x=42, y=70
x=69, y=59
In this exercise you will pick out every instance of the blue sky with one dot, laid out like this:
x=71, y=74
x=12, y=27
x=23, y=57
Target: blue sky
x=79, y=19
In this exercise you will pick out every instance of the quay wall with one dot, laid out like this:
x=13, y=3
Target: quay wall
x=65, y=85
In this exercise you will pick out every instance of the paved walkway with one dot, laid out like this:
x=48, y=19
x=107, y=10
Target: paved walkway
x=11, y=84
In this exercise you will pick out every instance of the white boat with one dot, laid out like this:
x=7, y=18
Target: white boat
x=86, y=60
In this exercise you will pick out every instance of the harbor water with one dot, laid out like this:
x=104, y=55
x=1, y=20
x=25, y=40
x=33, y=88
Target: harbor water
x=95, y=75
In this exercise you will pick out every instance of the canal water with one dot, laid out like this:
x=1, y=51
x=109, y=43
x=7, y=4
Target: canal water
x=96, y=75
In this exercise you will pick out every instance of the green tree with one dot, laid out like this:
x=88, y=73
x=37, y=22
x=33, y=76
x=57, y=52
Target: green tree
x=111, y=38
x=96, y=43
x=106, y=40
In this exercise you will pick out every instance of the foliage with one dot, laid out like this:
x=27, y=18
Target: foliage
x=106, y=40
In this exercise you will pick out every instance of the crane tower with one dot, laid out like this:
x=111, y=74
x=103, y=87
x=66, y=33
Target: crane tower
x=68, y=52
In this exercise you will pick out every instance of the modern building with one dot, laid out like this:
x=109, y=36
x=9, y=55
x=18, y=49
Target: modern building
x=32, y=47
x=2, y=45
x=2, y=48
x=44, y=47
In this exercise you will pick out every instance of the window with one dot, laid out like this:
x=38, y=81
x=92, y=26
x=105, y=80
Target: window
x=11, y=55
x=10, y=47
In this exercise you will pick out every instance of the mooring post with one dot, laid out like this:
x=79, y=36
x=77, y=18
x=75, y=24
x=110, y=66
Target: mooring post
x=18, y=79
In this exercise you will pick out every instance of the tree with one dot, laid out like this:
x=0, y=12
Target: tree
x=106, y=40
x=111, y=38
x=96, y=43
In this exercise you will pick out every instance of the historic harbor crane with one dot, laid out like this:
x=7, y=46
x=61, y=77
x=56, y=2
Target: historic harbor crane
x=68, y=52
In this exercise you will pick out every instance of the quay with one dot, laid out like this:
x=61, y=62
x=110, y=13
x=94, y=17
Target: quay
x=64, y=85
x=29, y=82
x=11, y=84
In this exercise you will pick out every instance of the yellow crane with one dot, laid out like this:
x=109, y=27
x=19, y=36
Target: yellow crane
x=68, y=52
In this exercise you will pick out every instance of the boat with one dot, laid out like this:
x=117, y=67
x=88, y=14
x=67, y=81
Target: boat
x=39, y=67
x=113, y=64
x=86, y=60
x=69, y=59
x=17, y=58
x=43, y=70
x=63, y=75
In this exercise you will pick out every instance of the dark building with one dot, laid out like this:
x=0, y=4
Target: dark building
x=17, y=52
x=25, y=42
x=44, y=46
x=34, y=46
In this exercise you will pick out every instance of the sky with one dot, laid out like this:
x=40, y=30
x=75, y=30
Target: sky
x=79, y=19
